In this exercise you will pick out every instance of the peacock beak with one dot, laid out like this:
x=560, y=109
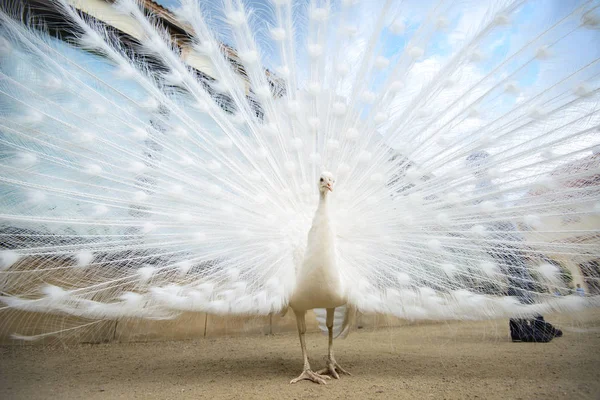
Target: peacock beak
x=329, y=187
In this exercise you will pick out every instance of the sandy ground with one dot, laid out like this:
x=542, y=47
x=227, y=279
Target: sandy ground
x=437, y=361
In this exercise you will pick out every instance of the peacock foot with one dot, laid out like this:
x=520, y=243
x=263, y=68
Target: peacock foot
x=309, y=375
x=333, y=369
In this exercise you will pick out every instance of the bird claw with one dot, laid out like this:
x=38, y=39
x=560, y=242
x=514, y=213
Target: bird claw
x=309, y=375
x=332, y=369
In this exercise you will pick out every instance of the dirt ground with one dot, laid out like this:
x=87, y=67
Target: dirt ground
x=438, y=361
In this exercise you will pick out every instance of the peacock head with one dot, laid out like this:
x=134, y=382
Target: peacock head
x=326, y=182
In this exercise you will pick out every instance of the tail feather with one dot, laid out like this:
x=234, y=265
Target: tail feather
x=344, y=318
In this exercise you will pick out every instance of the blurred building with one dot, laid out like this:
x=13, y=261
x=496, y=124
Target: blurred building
x=571, y=223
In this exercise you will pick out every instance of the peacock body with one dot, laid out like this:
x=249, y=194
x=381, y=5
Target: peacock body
x=462, y=138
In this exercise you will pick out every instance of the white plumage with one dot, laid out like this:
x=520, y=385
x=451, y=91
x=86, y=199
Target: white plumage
x=149, y=169
x=319, y=282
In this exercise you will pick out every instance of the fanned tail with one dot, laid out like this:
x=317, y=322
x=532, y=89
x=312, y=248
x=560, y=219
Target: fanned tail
x=168, y=163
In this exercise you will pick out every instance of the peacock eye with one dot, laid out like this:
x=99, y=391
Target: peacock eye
x=321, y=179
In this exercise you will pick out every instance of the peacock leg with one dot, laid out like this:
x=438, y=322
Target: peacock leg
x=307, y=373
x=333, y=368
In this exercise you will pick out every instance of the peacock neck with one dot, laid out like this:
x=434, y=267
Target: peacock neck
x=323, y=203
